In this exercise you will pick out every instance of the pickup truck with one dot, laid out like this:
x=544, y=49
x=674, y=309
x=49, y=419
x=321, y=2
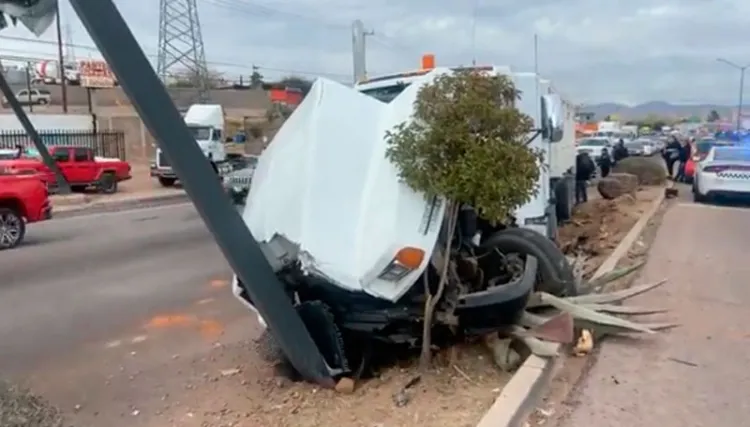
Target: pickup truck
x=81, y=168
x=23, y=200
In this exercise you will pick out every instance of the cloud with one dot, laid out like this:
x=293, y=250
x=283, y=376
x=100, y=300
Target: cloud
x=594, y=51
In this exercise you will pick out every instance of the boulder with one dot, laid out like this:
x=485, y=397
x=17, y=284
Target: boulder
x=610, y=188
x=628, y=181
x=648, y=170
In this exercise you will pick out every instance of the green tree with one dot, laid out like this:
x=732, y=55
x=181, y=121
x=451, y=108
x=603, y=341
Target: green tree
x=467, y=142
x=713, y=116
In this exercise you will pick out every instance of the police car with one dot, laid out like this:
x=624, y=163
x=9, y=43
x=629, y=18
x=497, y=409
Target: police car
x=724, y=172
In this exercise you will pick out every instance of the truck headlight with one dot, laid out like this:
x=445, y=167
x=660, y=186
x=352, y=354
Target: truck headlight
x=406, y=260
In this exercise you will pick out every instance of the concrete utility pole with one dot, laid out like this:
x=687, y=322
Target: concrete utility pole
x=359, y=49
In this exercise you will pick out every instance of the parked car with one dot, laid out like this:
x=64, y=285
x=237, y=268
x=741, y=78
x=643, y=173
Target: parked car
x=32, y=97
x=593, y=146
x=725, y=171
x=237, y=183
x=24, y=199
x=81, y=168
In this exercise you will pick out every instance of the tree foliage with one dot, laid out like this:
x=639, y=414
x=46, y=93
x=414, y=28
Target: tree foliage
x=468, y=142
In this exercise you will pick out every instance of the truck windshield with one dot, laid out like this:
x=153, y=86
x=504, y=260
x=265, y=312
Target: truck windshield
x=386, y=93
x=200, y=133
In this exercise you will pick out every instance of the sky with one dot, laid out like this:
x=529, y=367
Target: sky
x=594, y=51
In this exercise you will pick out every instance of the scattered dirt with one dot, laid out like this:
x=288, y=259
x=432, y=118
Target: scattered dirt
x=455, y=394
x=598, y=226
x=561, y=396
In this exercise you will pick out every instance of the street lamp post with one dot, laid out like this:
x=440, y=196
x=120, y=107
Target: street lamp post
x=742, y=69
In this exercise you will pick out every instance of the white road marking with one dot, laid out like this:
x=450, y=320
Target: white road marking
x=113, y=344
x=138, y=339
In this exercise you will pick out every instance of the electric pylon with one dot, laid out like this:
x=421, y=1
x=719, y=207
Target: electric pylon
x=181, y=50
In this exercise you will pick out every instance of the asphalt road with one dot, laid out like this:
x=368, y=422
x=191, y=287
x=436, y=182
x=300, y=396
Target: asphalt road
x=694, y=375
x=81, y=280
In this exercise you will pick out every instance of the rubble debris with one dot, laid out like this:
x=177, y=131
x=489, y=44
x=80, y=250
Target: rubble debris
x=21, y=408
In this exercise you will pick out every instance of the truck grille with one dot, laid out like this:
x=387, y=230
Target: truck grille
x=162, y=161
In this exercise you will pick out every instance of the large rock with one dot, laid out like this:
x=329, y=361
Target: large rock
x=650, y=171
x=616, y=185
x=628, y=181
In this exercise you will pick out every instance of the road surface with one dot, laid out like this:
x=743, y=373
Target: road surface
x=695, y=375
x=89, y=298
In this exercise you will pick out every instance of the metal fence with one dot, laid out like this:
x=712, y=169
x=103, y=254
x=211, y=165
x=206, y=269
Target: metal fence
x=104, y=143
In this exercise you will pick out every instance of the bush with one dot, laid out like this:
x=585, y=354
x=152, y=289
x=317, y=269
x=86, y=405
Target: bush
x=649, y=171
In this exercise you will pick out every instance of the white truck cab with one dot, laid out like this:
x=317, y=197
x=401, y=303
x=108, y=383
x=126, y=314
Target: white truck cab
x=541, y=212
x=206, y=123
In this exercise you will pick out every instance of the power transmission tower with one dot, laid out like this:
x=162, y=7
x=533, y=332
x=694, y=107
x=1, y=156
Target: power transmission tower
x=181, y=45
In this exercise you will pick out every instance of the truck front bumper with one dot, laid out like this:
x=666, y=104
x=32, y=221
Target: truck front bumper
x=163, y=173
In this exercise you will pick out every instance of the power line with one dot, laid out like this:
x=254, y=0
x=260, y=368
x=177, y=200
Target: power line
x=154, y=56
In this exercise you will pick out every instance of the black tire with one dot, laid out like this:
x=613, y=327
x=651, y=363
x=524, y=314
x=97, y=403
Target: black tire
x=167, y=182
x=12, y=228
x=562, y=200
x=556, y=275
x=108, y=183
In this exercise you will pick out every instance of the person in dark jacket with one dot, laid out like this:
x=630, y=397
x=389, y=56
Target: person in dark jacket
x=585, y=169
x=605, y=162
x=684, y=155
x=619, y=152
x=672, y=155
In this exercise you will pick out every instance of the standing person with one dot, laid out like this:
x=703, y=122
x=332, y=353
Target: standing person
x=605, y=162
x=585, y=169
x=619, y=152
x=684, y=156
x=672, y=155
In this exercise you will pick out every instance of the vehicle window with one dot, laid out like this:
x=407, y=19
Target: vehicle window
x=200, y=133
x=252, y=161
x=22, y=93
x=81, y=155
x=44, y=92
x=61, y=155
x=732, y=154
x=704, y=147
x=217, y=135
x=387, y=93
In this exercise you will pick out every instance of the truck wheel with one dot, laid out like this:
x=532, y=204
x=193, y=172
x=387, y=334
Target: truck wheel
x=167, y=182
x=556, y=275
x=12, y=228
x=108, y=183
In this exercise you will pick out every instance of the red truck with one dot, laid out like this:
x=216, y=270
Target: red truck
x=23, y=200
x=80, y=167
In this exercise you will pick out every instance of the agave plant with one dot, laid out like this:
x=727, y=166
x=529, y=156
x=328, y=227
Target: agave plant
x=550, y=321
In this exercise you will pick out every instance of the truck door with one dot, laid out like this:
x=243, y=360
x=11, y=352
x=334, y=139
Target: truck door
x=62, y=158
x=84, y=165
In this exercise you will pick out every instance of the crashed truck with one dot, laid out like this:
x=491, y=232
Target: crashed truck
x=352, y=244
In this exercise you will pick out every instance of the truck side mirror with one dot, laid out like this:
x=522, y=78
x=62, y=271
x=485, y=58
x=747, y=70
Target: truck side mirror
x=552, y=118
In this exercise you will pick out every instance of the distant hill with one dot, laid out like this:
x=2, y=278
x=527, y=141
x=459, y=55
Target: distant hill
x=658, y=108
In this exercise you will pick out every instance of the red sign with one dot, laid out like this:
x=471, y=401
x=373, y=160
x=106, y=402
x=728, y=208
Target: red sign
x=96, y=73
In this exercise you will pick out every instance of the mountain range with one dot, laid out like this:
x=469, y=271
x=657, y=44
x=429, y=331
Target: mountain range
x=658, y=108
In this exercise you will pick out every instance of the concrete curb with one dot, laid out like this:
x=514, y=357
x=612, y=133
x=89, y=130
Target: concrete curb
x=109, y=205
x=526, y=388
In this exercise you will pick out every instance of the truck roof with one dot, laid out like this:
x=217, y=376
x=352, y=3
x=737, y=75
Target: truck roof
x=409, y=76
x=205, y=115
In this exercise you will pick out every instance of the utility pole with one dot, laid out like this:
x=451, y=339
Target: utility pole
x=359, y=49
x=61, y=60
x=742, y=69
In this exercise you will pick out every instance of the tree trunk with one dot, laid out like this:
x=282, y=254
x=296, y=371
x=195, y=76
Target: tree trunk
x=431, y=301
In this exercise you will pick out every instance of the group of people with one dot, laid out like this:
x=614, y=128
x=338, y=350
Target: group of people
x=586, y=168
x=676, y=152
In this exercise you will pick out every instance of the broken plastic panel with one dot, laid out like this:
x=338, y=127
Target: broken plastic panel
x=117, y=44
